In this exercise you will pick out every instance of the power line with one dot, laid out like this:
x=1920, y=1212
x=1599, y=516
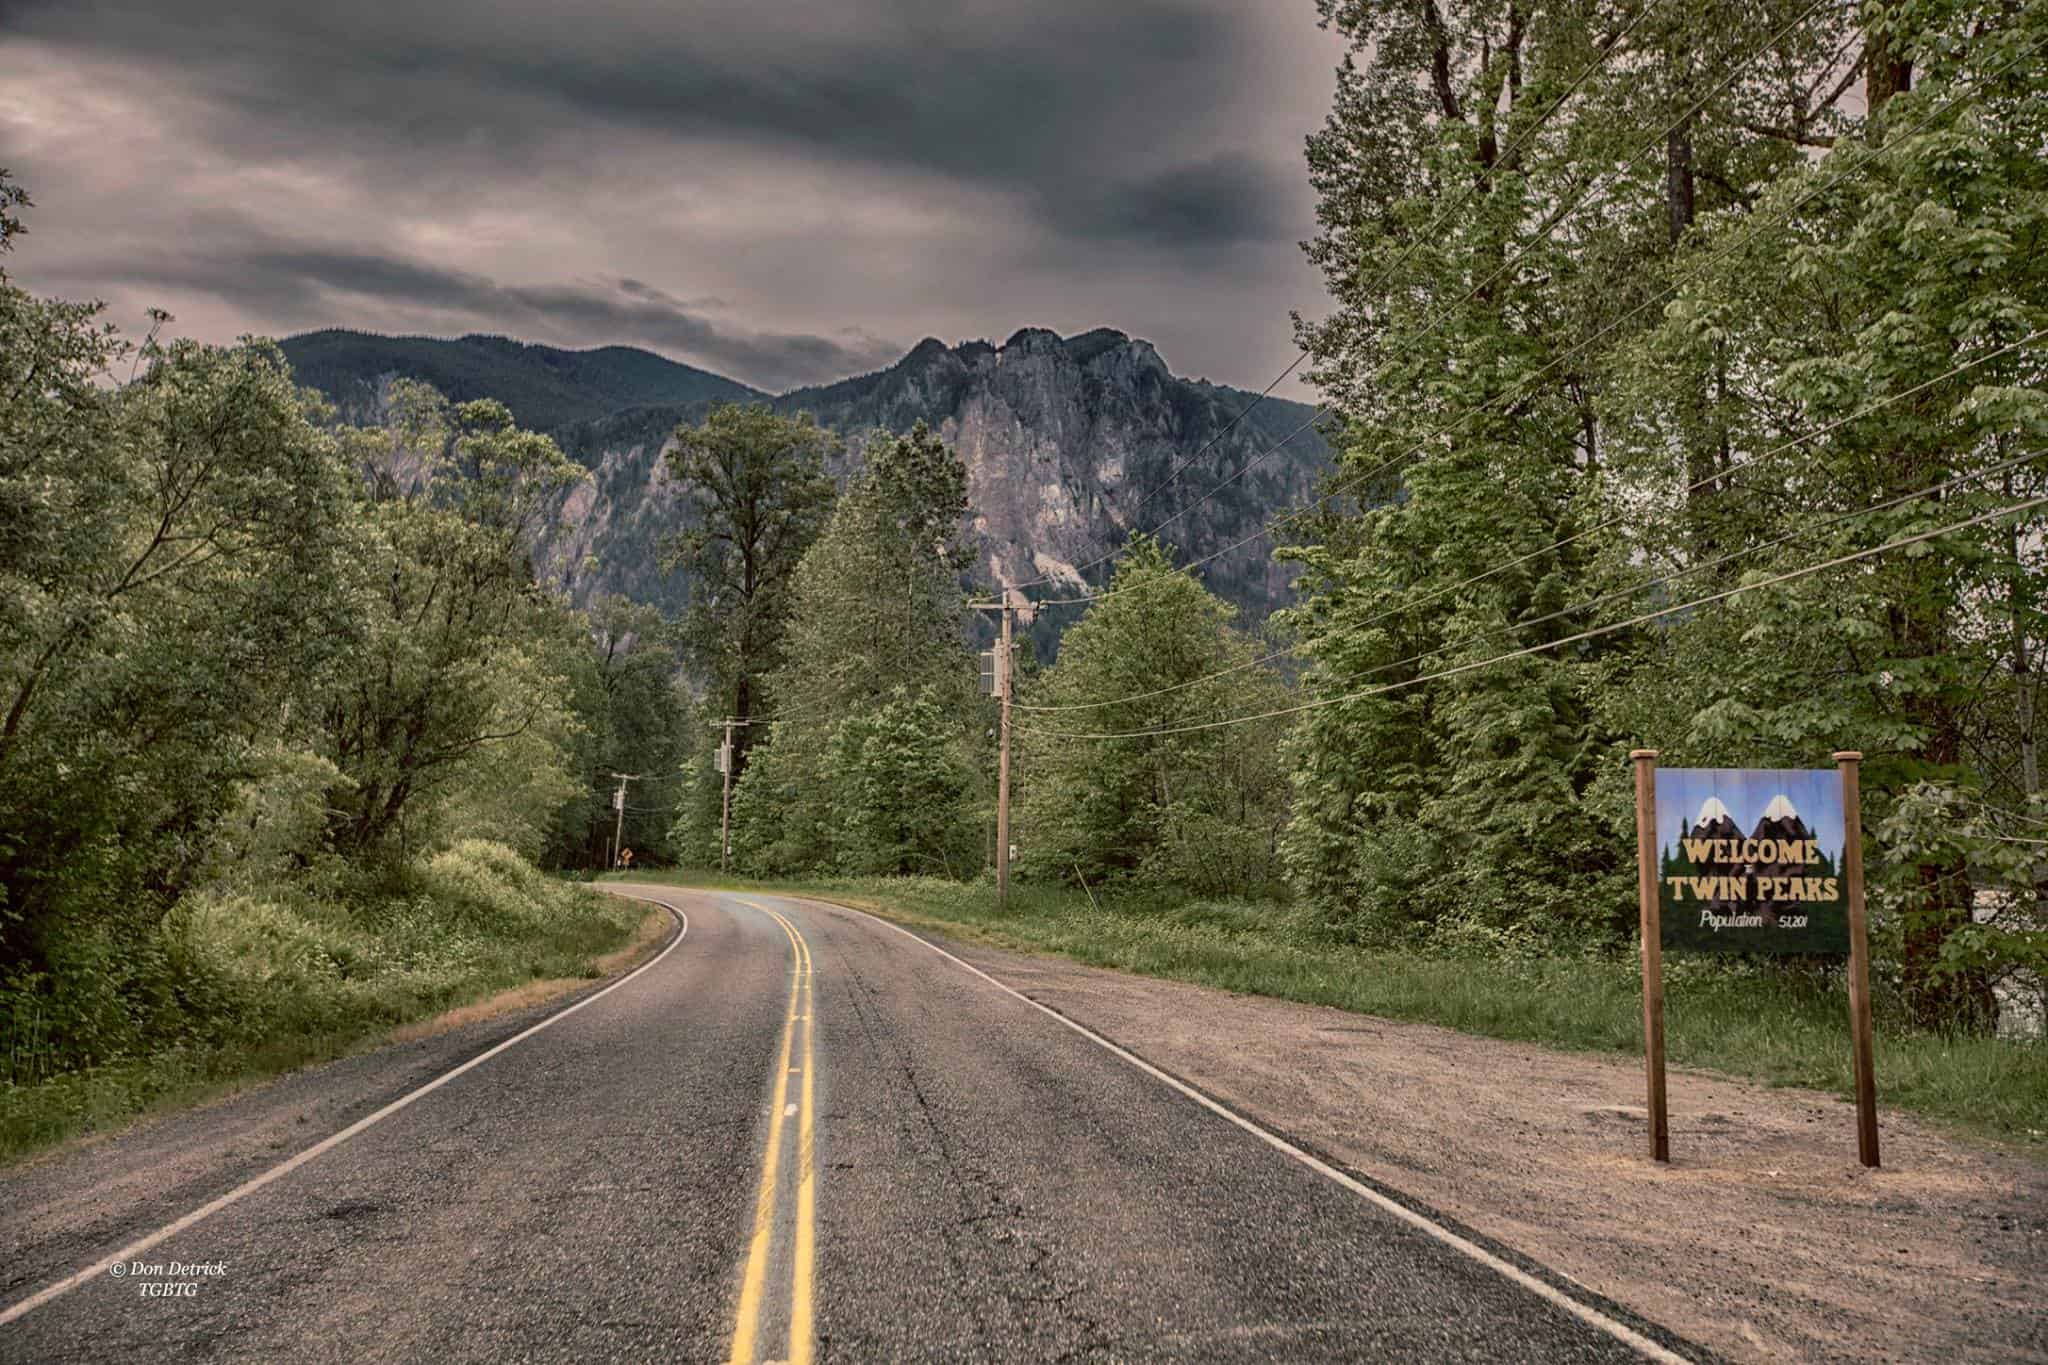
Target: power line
x=1697, y=484
x=1175, y=472
x=1595, y=633
x=1589, y=605
x=1755, y=225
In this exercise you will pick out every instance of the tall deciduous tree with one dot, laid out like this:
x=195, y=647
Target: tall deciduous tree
x=876, y=605
x=1870, y=348
x=758, y=493
x=1503, y=188
x=445, y=663
x=165, y=563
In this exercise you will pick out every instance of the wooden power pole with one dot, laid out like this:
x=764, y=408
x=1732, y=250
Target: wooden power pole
x=725, y=802
x=619, y=805
x=999, y=687
x=1002, y=682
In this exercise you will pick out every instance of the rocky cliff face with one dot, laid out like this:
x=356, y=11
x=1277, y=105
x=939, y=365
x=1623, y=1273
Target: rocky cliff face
x=1068, y=444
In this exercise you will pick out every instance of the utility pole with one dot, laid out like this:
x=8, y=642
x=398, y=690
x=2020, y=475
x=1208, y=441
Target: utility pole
x=619, y=805
x=725, y=803
x=999, y=687
x=1003, y=762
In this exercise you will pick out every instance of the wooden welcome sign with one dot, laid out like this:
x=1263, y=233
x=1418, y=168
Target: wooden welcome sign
x=1752, y=860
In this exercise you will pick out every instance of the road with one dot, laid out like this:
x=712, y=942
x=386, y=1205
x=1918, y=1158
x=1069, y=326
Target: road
x=797, y=1134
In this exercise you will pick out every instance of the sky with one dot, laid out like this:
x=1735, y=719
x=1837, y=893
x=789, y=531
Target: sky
x=780, y=193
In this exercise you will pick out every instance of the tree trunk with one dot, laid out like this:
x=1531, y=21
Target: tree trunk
x=1678, y=179
x=1937, y=996
x=1885, y=74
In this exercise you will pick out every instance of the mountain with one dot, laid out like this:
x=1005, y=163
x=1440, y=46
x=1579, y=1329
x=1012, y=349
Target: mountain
x=546, y=388
x=1781, y=824
x=1714, y=822
x=1068, y=442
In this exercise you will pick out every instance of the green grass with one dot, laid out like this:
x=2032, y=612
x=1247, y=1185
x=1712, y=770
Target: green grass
x=237, y=988
x=1750, y=1020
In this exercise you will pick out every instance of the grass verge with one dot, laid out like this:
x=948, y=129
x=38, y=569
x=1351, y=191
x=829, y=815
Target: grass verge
x=1753, y=1020
x=242, y=988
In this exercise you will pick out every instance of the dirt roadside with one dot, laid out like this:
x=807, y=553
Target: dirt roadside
x=1763, y=1240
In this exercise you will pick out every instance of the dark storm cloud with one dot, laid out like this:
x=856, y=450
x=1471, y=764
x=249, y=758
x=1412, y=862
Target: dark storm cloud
x=732, y=181
x=1213, y=202
x=1062, y=98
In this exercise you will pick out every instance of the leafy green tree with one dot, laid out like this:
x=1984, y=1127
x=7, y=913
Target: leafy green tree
x=1504, y=193
x=899, y=792
x=757, y=494
x=634, y=718
x=1871, y=348
x=448, y=608
x=164, y=568
x=694, y=836
x=876, y=605
x=1200, y=809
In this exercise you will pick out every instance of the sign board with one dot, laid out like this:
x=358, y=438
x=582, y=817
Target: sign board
x=1758, y=860
x=1751, y=860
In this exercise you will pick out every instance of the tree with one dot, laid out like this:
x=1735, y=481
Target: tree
x=634, y=719
x=757, y=495
x=449, y=607
x=165, y=570
x=1200, y=810
x=875, y=605
x=1868, y=350
x=899, y=791
x=1503, y=192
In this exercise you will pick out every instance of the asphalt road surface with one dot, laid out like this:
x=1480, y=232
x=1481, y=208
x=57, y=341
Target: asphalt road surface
x=797, y=1134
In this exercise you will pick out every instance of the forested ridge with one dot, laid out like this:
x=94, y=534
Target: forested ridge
x=1682, y=367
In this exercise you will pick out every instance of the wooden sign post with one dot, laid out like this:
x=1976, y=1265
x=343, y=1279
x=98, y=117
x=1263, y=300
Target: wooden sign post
x=1859, y=958
x=1653, y=949
x=1752, y=860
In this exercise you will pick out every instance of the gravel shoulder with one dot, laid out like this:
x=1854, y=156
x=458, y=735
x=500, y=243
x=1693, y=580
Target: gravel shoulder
x=1763, y=1239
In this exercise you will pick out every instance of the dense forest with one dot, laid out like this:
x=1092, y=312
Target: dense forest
x=1683, y=372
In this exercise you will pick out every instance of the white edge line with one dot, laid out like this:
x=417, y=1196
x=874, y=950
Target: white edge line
x=285, y=1168
x=1593, y=1317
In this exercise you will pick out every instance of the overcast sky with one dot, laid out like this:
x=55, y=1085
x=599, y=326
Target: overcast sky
x=782, y=193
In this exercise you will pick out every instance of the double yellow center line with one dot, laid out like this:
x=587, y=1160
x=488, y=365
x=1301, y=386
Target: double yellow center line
x=803, y=1256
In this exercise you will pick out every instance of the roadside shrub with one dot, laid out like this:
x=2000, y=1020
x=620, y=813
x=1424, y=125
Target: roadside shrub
x=228, y=980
